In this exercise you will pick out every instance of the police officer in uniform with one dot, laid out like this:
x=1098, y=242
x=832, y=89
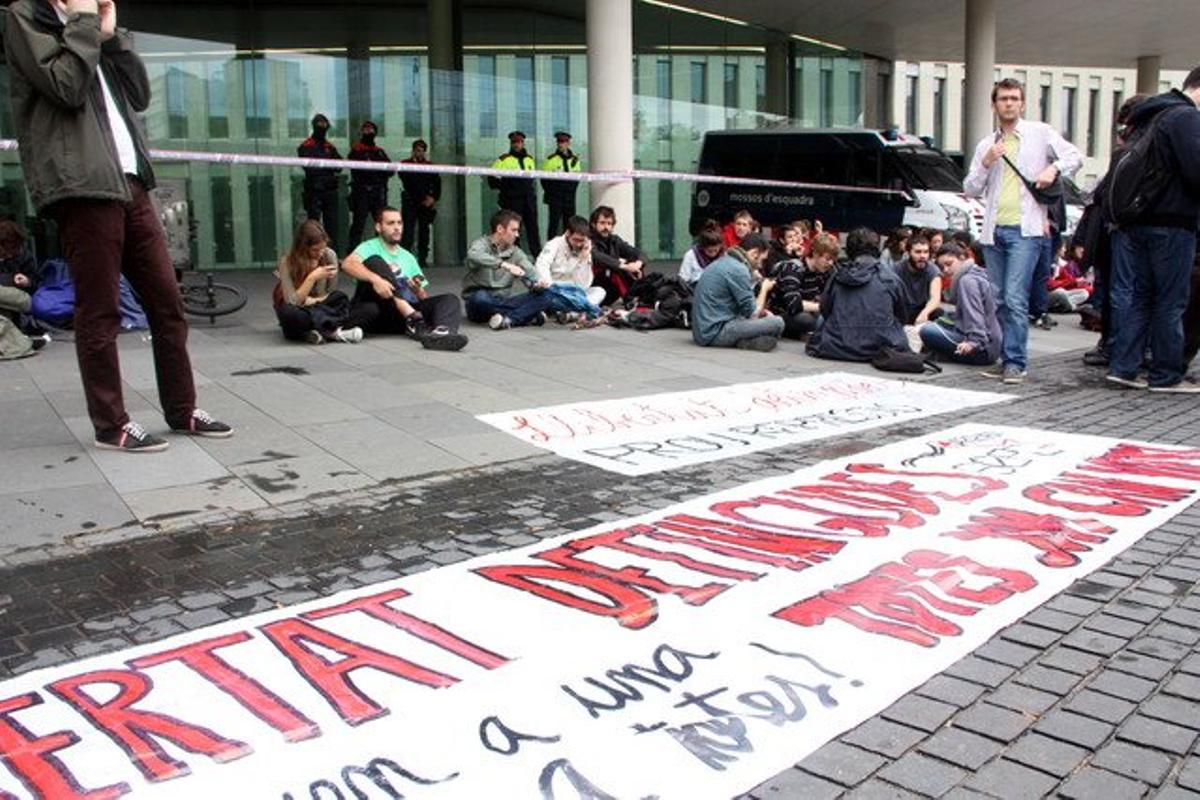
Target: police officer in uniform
x=560, y=195
x=519, y=194
x=418, y=203
x=368, y=188
x=320, y=183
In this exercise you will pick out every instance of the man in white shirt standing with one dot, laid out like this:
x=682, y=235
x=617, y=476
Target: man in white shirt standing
x=1014, y=222
x=76, y=87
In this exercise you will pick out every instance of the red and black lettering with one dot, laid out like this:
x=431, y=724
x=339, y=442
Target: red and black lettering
x=332, y=679
x=249, y=693
x=631, y=607
x=137, y=732
x=1057, y=539
x=1121, y=498
x=31, y=758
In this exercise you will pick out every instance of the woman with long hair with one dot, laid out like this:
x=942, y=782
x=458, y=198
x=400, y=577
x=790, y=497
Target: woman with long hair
x=309, y=306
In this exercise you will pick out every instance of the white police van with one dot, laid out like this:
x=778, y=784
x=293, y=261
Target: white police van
x=915, y=184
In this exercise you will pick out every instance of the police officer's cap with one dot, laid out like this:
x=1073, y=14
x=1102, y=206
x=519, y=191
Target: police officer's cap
x=320, y=118
x=420, y=143
x=516, y=135
x=559, y=135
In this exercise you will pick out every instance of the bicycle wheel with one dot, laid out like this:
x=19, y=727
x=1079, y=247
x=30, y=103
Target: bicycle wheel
x=212, y=300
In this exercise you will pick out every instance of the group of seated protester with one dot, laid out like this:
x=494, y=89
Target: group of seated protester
x=919, y=291
x=587, y=267
x=848, y=306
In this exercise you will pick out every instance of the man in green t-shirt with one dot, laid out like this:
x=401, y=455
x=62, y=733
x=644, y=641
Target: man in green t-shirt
x=391, y=296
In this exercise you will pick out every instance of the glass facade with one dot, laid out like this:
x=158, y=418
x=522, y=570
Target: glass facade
x=248, y=77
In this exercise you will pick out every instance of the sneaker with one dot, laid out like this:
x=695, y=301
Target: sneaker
x=39, y=341
x=413, y=324
x=1183, y=387
x=313, y=337
x=1128, y=383
x=441, y=338
x=1046, y=322
x=201, y=423
x=131, y=438
x=499, y=322
x=347, y=335
x=567, y=317
x=1096, y=357
x=1013, y=375
x=995, y=372
x=763, y=344
x=539, y=320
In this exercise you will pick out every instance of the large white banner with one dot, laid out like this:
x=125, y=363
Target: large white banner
x=690, y=654
x=640, y=435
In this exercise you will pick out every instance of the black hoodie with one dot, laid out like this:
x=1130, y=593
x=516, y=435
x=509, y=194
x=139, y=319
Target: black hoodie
x=862, y=305
x=1179, y=140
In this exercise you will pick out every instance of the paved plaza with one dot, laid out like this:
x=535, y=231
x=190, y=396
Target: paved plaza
x=354, y=465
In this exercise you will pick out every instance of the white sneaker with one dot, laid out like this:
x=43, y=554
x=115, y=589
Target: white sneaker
x=499, y=322
x=348, y=335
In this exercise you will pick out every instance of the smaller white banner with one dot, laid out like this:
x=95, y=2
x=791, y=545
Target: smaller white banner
x=654, y=433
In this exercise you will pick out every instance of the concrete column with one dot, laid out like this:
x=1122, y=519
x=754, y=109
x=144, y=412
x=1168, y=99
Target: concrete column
x=1148, y=70
x=358, y=90
x=779, y=74
x=446, y=131
x=610, y=104
x=980, y=71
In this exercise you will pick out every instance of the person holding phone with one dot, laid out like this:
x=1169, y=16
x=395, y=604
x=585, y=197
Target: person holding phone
x=76, y=87
x=307, y=301
x=392, y=294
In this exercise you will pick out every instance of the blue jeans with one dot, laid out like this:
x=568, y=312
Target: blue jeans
x=943, y=340
x=1010, y=265
x=1151, y=274
x=521, y=309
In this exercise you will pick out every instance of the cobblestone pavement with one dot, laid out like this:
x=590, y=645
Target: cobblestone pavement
x=1093, y=695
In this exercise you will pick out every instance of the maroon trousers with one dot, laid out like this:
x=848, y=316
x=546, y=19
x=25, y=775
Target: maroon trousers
x=102, y=239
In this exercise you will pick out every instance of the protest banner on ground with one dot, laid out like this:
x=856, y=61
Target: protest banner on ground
x=641, y=435
x=690, y=653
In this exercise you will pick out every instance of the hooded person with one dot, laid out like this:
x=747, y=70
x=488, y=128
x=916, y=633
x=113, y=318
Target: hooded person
x=320, y=183
x=975, y=336
x=862, y=305
x=368, y=188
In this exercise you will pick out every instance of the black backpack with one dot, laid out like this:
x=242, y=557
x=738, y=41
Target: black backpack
x=1138, y=175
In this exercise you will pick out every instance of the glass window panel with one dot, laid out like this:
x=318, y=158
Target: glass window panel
x=218, y=100
x=257, y=98
x=560, y=93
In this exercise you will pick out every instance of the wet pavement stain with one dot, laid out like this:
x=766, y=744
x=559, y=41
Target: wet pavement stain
x=274, y=485
x=272, y=371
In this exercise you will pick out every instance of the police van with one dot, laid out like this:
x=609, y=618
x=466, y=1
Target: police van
x=907, y=182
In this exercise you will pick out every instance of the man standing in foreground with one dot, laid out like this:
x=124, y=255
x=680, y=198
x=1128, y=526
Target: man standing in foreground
x=76, y=85
x=1014, y=222
x=1153, y=253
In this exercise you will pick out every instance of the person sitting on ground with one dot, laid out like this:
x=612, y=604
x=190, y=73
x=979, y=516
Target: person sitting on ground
x=897, y=246
x=18, y=275
x=308, y=305
x=391, y=296
x=790, y=247
x=935, y=238
x=616, y=263
x=921, y=281
x=496, y=267
x=1069, y=289
x=709, y=246
x=861, y=305
x=798, y=287
x=566, y=261
x=975, y=336
x=725, y=312
x=743, y=223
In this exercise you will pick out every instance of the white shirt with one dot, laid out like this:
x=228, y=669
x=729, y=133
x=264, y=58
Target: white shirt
x=126, y=152
x=1039, y=147
x=557, y=264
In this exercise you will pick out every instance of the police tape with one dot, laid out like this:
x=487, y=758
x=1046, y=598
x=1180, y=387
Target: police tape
x=396, y=167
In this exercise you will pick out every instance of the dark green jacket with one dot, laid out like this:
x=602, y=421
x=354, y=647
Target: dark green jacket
x=67, y=147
